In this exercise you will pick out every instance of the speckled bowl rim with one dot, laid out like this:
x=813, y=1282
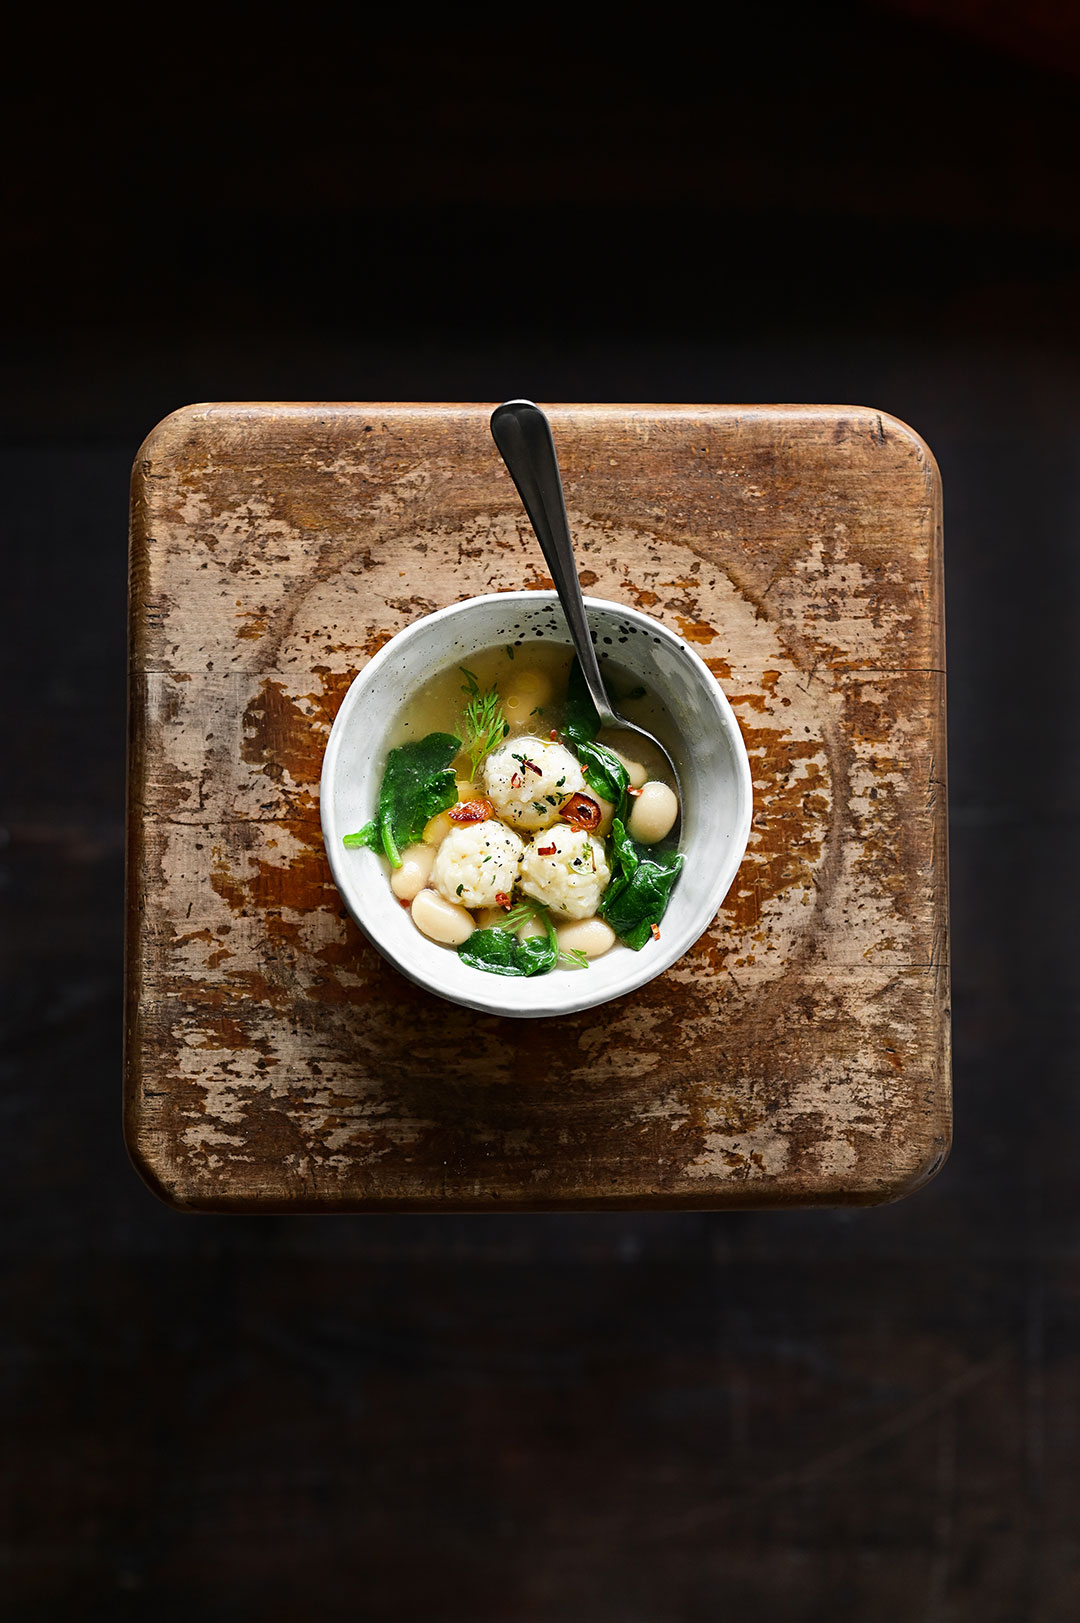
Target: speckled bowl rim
x=495, y=994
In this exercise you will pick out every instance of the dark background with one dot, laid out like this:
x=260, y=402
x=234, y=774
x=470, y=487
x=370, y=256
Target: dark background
x=613, y=1419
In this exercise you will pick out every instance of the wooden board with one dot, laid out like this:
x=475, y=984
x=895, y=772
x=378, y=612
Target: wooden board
x=797, y=1055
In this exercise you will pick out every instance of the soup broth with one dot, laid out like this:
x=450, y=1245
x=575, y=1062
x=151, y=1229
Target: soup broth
x=532, y=682
x=539, y=843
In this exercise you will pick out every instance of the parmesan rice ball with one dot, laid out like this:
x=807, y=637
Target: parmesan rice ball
x=475, y=862
x=572, y=877
x=527, y=779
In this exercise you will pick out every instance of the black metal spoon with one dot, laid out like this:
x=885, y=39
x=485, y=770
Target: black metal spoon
x=523, y=435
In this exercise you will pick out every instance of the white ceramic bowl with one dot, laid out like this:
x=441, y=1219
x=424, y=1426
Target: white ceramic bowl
x=707, y=746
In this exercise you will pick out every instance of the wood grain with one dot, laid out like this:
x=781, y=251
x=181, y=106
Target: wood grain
x=797, y=1055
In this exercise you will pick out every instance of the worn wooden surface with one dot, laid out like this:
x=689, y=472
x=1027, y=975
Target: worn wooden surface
x=798, y=1054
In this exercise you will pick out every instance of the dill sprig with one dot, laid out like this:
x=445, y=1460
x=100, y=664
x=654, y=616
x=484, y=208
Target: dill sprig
x=530, y=909
x=521, y=914
x=485, y=724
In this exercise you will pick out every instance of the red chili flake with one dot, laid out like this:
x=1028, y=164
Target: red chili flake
x=532, y=766
x=581, y=811
x=655, y=928
x=545, y=850
x=502, y=899
x=554, y=735
x=516, y=780
x=632, y=791
x=472, y=811
x=406, y=905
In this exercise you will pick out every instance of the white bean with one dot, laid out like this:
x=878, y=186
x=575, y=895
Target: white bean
x=526, y=691
x=441, y=920
x=593, y=937
x=607, y=814
x=437, y=828
x=654, y=812
x=414, y=873
x=494, y=918
x=638, y=774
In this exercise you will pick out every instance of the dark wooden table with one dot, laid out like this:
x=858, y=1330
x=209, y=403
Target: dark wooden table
x=798, y=1054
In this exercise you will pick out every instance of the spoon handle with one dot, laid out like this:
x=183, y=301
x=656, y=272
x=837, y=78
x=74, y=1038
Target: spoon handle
x=523, y=435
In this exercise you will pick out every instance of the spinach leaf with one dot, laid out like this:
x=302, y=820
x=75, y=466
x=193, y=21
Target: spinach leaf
x=501, y=953
x=417, y=783
x=625, y=852
x=582, y=720
x=641, y=887
x=368, y=835
x=604, y=772
x=642, y=878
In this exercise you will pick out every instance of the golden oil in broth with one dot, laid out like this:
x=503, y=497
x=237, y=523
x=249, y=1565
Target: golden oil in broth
x=541, y=671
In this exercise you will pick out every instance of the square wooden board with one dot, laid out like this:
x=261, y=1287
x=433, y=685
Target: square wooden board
x=797, y=1055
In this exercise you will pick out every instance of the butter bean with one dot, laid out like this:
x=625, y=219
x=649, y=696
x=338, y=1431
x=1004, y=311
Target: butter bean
x=654, y=812
x=437, y=828
x=414, y=873
x=593, y=937
x=441, y=920
x=493, y=918
x=531, y=926
x=525, y=692
x=638, y=774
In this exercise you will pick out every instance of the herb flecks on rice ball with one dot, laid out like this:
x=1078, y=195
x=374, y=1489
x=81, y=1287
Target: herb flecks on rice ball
x=566, y=869
x=527, y=780
x=477, y=863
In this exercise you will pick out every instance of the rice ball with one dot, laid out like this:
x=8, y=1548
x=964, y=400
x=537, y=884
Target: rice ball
x=476, y=863
x=565, y=868
x=527, y=779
